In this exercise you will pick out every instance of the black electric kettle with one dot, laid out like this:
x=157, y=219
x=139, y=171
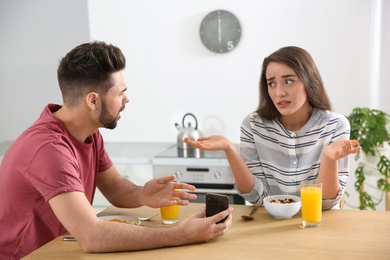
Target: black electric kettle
x=187, y=131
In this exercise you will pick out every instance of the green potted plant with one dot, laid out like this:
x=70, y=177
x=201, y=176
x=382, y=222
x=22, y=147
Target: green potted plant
x=368, y=127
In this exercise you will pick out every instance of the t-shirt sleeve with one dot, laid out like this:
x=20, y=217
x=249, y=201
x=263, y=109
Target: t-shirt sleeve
x=54, y=170
x=104, y=160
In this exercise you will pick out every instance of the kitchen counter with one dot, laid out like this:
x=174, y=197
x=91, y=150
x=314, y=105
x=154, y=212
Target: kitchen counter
x=134, y=152
x=344, y=234
x=121, y=152
x=3, y=148
x=133, y=160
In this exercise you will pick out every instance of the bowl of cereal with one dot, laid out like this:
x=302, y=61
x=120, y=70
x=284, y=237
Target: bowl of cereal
x=282, y=206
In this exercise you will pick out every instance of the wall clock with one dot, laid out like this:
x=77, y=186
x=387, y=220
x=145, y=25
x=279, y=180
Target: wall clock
x=220, y=31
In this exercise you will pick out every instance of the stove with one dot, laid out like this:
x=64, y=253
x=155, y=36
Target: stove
x=208, y=171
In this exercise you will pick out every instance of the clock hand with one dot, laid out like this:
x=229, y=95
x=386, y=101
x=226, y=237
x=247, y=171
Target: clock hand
x=219, y=29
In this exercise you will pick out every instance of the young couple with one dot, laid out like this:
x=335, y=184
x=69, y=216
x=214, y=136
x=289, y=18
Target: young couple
x=49, y=174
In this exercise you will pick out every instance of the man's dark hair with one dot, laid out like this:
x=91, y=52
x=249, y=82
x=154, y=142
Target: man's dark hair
x=88, y=68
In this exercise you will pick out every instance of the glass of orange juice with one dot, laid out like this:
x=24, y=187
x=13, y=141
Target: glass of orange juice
x=311, y=199
x=170, y=214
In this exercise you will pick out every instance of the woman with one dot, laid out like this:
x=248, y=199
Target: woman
x=292, y=137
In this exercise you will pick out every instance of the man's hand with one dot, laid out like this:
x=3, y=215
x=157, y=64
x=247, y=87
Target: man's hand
x=160, y=192
x=196, y=228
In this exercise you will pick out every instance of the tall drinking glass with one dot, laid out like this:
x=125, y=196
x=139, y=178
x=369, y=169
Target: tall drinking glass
x=311, y=199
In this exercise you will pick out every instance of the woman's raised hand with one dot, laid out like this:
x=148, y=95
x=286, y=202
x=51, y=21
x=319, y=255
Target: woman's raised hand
x=341, y=148
x=211, y=143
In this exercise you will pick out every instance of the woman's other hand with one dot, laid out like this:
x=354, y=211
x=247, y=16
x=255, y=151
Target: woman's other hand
x=341, y=148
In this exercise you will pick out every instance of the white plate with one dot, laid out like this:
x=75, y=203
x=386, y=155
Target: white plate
x=120, y=217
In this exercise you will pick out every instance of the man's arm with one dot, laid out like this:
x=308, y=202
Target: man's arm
x=94, y=235
x=117, y=189
x=156, y=193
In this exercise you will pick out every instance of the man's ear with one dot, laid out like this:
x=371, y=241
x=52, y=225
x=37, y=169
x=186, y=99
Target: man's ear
x=92, y=99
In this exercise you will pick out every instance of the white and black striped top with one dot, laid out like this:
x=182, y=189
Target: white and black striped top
x=281, y=159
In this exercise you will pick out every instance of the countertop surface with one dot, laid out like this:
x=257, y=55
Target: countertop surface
x=3, y=148
x=344, y=234
x=133, y=152
x=121, y=152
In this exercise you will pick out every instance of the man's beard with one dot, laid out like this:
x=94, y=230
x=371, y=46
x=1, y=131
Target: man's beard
x=107, y=120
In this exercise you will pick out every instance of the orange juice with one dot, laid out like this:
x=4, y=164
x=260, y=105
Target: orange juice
x=311, y=199
x=170, y=214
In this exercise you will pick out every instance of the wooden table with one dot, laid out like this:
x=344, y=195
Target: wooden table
x=344, y=234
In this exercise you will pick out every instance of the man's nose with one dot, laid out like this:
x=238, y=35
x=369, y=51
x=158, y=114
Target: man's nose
x=126, y=99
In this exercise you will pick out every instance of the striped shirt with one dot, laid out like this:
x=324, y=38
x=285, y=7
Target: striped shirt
x=280, y=159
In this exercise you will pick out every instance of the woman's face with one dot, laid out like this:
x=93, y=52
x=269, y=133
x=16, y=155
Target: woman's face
x=286, y=90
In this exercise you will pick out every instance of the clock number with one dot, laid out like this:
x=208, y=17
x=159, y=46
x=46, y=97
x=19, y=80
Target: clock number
x=230, y=45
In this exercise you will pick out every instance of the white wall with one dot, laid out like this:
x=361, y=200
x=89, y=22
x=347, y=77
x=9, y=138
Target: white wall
x=169, y=72
x=34, y=35
x=385, y=57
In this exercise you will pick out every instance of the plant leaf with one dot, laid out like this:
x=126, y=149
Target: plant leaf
x=384, y=166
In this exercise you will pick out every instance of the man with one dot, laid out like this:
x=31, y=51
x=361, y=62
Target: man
x=49, y=174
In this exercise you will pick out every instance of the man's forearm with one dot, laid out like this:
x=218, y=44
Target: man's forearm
x=125, y=194
x=127, y=237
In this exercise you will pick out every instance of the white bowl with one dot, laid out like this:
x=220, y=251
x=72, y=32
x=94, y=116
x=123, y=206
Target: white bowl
x=282, y=211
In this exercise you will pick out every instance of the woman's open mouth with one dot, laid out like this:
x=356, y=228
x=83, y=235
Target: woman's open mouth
x=283, y=104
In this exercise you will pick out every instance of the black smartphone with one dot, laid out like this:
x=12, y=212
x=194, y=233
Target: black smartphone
x=216, y=203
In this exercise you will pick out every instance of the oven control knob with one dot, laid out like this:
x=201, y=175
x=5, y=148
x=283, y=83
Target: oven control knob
x=217, y=175
x=178, y=174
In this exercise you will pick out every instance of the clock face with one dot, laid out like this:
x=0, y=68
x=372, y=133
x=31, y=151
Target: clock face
x=220, y=31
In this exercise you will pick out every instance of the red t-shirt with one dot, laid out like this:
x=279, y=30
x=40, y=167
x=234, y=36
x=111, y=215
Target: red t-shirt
x=44, y=161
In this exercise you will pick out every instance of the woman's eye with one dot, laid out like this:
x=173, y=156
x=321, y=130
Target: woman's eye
x=289, y=81
x=271, y=84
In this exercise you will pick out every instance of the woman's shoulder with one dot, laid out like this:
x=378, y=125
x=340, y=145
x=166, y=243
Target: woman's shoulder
x=254, y=117
x=327, y=115
x=251, y=119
